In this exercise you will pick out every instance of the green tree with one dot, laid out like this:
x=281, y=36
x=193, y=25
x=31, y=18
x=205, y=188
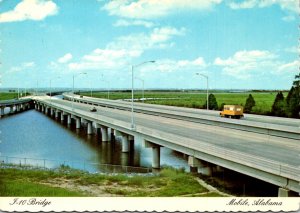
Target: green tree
x=290, y=94
x=293, y=99
x=279, y=106
x=250, y=102
x=213, y=104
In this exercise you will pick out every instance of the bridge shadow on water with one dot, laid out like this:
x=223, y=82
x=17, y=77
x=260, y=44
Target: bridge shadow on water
x=241, y=185
x=51, y=138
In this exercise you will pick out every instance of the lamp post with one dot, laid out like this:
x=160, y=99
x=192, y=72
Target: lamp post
x=108, y=89
x=132, y=86
x=84, y=73
x=143, y=91
x=51, y=88
x=91, y=88
x=205, y=76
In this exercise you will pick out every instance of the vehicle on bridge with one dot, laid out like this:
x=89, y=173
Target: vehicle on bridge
x=93, y=109
x=232, y=111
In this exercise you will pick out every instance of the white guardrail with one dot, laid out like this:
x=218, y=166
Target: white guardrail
x=292, y=132
x=252, y=161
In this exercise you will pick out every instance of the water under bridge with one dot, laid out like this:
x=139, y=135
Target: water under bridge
x=262, y=147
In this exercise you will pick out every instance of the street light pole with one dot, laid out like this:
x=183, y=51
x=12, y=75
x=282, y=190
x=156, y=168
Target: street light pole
x=143, y=88
x=108, y=86
x=132, y=87
x=205, y=76
x=73, y=88
x=51, y=89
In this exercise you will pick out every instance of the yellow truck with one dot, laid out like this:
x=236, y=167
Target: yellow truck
x=232, y=111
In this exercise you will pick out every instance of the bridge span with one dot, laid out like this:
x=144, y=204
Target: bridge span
x=271, y=158
x=15, y=105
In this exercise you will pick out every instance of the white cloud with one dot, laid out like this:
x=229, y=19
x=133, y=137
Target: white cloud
x=28, y=64
x=66, y=58
x=104, y=58
x=288, y=18
x=294, y=49
x=147, y=9
x=30, y=10
x=22, y=67
x=289, y=67
x=125, y=48
x=157, y=38
x=288, y=5
x=245, y=64
x=126, y=23
x=168, y=65
x=243, y=5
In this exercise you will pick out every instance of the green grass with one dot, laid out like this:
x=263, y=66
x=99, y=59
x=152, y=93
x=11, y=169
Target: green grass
x=9, y=188
x=169, y=182
x=9, y=95
x=264, y=100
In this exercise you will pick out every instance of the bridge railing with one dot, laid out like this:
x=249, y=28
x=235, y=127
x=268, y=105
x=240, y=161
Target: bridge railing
x=93, y=167
x=253, y=161
x=271, y=129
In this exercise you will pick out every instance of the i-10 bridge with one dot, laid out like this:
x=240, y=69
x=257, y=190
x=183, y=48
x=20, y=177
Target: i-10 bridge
x=262, y=147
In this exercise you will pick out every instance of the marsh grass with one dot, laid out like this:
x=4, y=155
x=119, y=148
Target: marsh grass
x=9, y=95
x=28, y=188
x=169, y=182
x=264, y=100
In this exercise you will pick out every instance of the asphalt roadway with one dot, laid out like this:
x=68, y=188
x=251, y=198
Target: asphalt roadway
x=196, y=112
x=281, y=150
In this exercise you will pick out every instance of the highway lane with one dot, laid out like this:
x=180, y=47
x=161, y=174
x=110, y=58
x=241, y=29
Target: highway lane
x=198, y=113
x=281, y=150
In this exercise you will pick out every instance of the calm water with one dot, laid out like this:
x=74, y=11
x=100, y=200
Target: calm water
x=31, y=136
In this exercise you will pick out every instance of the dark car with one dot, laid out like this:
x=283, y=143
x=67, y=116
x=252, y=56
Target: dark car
x=93, y=109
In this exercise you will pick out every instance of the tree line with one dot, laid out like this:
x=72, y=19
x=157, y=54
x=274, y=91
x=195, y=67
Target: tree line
x=282, y=107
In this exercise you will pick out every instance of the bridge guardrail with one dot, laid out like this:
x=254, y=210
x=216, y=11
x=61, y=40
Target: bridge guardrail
x=249, y=126
x=252, y=161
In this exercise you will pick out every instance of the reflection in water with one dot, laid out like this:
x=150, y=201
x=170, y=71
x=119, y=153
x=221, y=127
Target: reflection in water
x=33, y=135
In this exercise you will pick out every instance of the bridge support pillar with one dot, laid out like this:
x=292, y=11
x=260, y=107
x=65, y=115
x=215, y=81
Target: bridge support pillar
x=125, y=143
x=2, y=111
x=51, y=112
x=69, y=120
x=117, y=133
x=11, y=110
x=155, y=153
x=77, y=123
x=156, y=157
x=62, y=116
x=194, y=163
x=282, y=192
x=206, y=170
x=89, y=128
x=56, y=113
x=130, y=138
x=104, y=134
x=109, y=134
x=18, y=108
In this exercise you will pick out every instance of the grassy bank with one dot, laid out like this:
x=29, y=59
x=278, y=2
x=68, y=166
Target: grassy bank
x=263, y=101
x=169, y=182
x=10, y=95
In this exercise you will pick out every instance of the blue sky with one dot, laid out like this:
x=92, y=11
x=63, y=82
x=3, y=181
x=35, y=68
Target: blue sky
x=238, y=44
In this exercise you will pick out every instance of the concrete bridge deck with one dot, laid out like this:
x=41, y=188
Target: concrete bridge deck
x=275, y=126
x=269, y=158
